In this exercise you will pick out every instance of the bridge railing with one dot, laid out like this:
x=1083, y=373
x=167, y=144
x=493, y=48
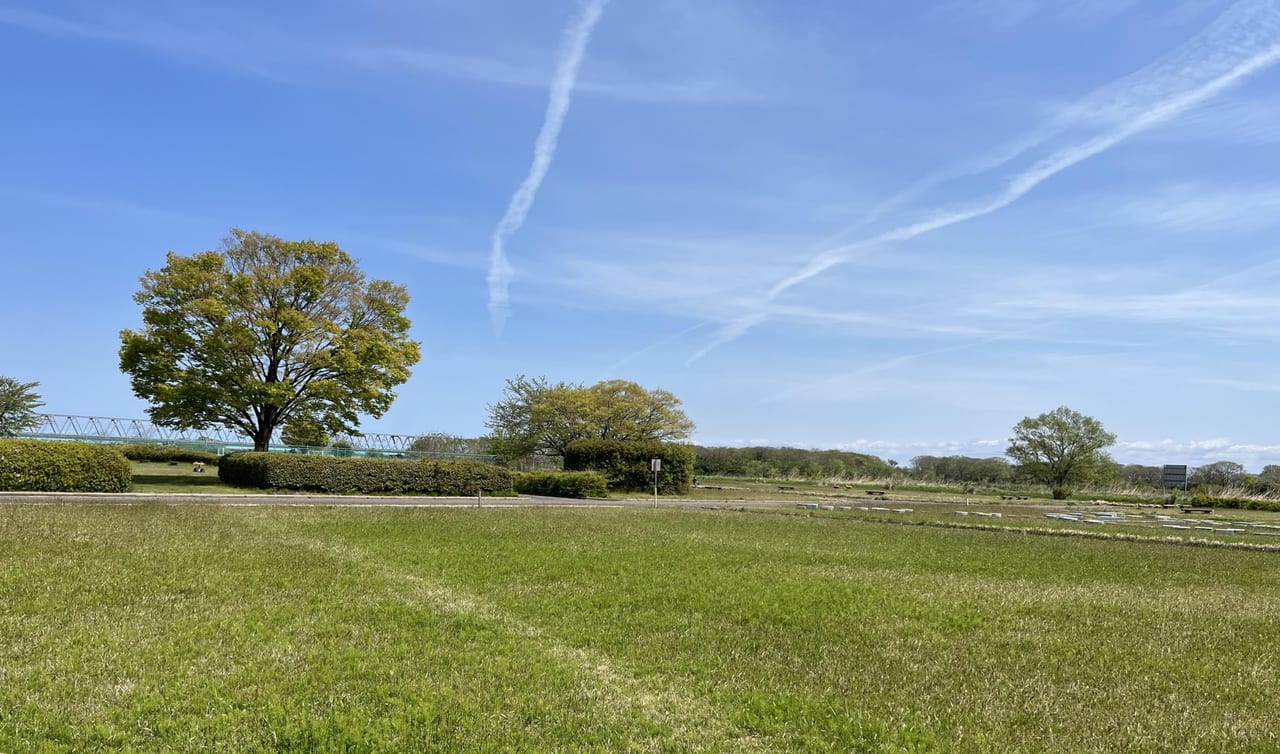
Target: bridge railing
x=103, y=429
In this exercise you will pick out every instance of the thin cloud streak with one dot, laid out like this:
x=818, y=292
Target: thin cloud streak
x=1251, y=31
x=1256, y=387
x=882, y=366
x=1211, y=305
x=432, y=63
x=613, y=369
x=544, y=150
x=284, y=57
x=1115, y=103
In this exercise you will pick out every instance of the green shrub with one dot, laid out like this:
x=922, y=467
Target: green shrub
x=50, y=466
x=625, y=465
x=580, y=484
x=156, y=452
x=1244, y=503
x=1060, y=493
x=369, y=476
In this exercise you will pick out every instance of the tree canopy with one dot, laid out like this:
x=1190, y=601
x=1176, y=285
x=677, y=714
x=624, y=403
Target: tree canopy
x=1060, y=448
x=1217, y=474
x=303, y=431
x=18, y=404
x=536, y=417
x=263, y=330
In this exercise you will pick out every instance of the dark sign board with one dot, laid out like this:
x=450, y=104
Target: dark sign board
x=1173, y=476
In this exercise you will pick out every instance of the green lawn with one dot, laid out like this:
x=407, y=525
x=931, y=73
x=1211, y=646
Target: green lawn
x=187, y=628
x=155, y=476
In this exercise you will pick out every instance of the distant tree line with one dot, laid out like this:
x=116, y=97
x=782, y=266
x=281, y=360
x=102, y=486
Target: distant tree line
x=443, y=442
x=788, y=462
x=962, y=470
x=1215, y=476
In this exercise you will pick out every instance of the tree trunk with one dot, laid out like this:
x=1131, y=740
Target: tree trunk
x=268, y=419
x=262, y=438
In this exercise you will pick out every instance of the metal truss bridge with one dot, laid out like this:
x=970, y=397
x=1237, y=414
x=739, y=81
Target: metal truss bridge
x=216, y=439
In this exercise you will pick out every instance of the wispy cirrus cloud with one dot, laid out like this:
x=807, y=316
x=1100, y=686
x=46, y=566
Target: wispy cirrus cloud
x=256, y=47
x=1242, y=42
x=394, y=59
x=1204, y=206
x=1228, y=312
x=1015, y=12
x=240, y=49
x=544, y=149
x=1252, y=387
x=1252, y=122
x=98, y=204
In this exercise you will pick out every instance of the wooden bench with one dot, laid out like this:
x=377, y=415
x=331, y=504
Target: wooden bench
x=876, y=493
x=1188, y=509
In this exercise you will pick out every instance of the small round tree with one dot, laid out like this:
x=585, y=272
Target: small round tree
x=1060, y=448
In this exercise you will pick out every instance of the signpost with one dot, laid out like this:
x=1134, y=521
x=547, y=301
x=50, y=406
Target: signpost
x=656, y=466
x=1173, y=476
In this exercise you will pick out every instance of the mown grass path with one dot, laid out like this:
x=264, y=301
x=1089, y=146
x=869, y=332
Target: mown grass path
x=187, y=628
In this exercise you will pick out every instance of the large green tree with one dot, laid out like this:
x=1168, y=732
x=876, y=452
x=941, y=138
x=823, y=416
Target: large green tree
x=18, y=404
x=1060, y=448
x=263, y=330
x=303, y=431
x=537, y=417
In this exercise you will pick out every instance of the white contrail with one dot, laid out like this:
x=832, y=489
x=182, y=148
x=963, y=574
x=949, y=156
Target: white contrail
x=572, y=49
x=1153, y=96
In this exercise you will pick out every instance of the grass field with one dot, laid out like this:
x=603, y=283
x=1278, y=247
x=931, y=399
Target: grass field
x=1254, y=528
x=738, y=488
x=161, y=477
x=188, y=628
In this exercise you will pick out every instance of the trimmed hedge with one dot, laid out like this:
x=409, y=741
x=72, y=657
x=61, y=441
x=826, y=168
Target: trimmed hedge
x=367, y=476
x=578, y=484
x=50, y=466
x=156, y=452
x=625, y=465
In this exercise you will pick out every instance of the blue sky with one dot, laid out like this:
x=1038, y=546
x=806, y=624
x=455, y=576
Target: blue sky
x=889, y=227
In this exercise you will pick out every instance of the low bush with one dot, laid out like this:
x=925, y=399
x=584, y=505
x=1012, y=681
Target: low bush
x=368, y=476
x=49, y=466
x=1243, y=503
x=625, y=465
x=157, y=452
x=579, y=484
